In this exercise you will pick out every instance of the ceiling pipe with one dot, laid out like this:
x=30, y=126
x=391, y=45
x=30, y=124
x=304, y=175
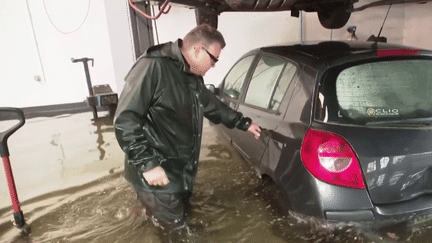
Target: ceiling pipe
x=163, y=10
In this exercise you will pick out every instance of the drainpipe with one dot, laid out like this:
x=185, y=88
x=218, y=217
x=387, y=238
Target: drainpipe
x=301, y=27
x=37, y=46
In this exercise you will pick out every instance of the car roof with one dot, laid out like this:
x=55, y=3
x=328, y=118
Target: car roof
x=330, y=53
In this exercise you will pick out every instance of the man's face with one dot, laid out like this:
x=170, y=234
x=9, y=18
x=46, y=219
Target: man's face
x=204, y=58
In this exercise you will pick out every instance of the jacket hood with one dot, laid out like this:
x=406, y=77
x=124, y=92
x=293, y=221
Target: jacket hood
x=169, y=50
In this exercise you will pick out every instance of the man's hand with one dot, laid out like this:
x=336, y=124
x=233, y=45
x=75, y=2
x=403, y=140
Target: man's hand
x=255, y=130
x=156, y=176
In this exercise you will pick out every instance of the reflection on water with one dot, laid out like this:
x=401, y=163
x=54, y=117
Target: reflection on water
x=229, y=201
x=103, y=125
x=108, y=213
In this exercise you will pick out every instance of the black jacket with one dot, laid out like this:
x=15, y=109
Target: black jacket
x=160, y=115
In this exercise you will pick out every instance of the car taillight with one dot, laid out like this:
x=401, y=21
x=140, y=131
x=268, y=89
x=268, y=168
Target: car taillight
x=330, y=158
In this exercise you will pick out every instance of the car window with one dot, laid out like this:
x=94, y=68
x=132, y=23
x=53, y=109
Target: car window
x=264, y=89
x=397, y=91
x=282, y=86
x=236, y=77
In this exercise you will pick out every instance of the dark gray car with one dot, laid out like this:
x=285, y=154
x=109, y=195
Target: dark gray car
x=347, y=127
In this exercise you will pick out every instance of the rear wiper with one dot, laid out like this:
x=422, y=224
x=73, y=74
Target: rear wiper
x=423, y=121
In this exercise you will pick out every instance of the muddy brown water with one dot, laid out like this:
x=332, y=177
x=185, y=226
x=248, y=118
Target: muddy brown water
x=229, y=201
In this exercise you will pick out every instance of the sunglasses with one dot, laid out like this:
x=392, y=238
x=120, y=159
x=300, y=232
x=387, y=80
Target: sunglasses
x=214, y=59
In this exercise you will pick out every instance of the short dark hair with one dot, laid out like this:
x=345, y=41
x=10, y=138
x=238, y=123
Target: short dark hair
x=205, y=34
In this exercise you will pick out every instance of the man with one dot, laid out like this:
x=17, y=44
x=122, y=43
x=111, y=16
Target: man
x=159, y=119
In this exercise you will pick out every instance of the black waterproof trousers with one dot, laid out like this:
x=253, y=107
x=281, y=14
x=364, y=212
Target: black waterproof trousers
x=167, y=208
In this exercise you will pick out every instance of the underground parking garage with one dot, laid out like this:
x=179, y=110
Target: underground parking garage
x=64, y=146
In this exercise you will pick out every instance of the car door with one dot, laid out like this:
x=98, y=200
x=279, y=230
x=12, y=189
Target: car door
x=232, y=86
x=264, y=102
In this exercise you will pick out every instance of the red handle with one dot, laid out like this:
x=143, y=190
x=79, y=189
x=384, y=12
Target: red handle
x=11, y=184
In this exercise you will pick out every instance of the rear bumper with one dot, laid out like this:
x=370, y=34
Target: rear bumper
x=355, y=215
x=413, y=212
x=339, y=204
x=420, y=204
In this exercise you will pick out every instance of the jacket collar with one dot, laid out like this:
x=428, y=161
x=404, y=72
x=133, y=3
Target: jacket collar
x=171, y=50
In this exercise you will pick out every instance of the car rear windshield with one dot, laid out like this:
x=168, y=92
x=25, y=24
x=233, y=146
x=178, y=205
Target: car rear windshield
x=394, y=92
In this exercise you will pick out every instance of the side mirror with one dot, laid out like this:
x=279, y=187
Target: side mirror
x=232, y=93
x=213, y=89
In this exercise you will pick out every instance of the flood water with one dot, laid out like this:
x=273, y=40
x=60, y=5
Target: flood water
x=96, y=204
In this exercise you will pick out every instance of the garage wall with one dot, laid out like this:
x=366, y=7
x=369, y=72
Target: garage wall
x=418, y=25
x=39, y=38
x=242, y=32
x=368, y=22
x=408, y=24
x=19, y=62
x=120, y=41
x=247, y=31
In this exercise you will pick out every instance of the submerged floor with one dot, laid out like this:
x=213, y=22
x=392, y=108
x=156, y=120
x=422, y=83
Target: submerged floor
x=52, y=153
x=69, y=175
